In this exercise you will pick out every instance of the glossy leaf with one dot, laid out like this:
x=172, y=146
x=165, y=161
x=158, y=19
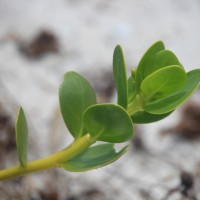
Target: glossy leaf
x=146, y=62
x=143, y=117
x=108, y=122
x=94, y=157
x=170, y=102
x=75, y=95
x=21, y=137
x=162, y=59
x=163, y=82
x=119, y=71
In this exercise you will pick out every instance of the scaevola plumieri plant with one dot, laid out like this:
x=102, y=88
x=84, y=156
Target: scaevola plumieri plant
x=154, y=89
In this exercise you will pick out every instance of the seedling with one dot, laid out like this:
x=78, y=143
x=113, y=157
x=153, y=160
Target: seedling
x=153, y=91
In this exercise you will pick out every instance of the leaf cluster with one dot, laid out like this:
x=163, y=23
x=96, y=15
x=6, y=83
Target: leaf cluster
x=153, y=90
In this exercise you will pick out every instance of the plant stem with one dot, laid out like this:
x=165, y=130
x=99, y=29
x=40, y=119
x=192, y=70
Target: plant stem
x=51, y=161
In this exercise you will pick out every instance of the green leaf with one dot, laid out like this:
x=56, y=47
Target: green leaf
x=119, y=71
x=143, y=117
x=75, y=96
x=170, y=102
x=108, y=122
x=162, y=59
x=21, y=137
x=147, y=61
x=94, y=157
x=163, y=82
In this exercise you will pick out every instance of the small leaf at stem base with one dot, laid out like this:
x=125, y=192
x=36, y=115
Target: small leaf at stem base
x=21, y=137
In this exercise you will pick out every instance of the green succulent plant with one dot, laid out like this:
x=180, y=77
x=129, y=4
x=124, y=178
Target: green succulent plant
x=153, y=91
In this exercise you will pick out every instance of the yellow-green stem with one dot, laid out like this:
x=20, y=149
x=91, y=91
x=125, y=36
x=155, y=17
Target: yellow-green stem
x=51, y=161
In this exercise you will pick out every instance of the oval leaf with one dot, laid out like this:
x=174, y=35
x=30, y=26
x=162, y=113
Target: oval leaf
x=94, y=157
x=143, y=117
x=162, y=59
x=21, y=137
x=119, y=71
x=170, y=103
x=163, y=82
x=75, y=96
x=108, y=122
x=145, y=64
